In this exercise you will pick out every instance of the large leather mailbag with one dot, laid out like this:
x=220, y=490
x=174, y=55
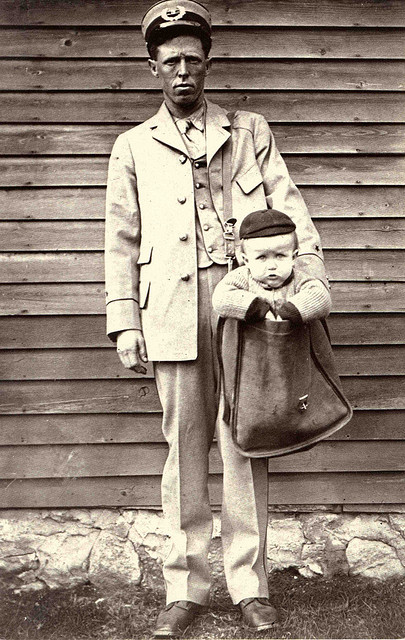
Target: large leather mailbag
x=282, y=392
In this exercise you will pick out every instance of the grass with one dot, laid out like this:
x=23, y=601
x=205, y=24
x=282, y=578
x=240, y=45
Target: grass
x=341, y=607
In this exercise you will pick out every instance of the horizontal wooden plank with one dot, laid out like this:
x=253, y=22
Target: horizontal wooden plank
x=366, y=329
x=375, y=393
x=353, y=201
x=134, y=106
x=77, y=461
x=63, y=203
x=102, y=428
x=106, y=396
x=89, y=298
x=70, y=364
x=365, y=265
x=49, y=332
x=129, y=396
x=89, y=203
x=81, y=139
x=132, y=491
x=34, y=74
x=305, y=169
x=374, y=508
x=253, y=12
x=84, y=266
x=60, y=235
x=275, y=42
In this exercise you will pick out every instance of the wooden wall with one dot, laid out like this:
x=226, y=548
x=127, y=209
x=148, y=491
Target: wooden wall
x=76, y=428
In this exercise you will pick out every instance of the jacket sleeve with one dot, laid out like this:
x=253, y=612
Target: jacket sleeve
x=122, y=242
x=282, y=194
x=312, y=301
x=231, y=299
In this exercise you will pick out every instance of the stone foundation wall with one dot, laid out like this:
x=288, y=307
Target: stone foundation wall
x=108, y=547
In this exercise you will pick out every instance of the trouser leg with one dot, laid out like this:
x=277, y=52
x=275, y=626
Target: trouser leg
x=244, y=519
x=187, y=394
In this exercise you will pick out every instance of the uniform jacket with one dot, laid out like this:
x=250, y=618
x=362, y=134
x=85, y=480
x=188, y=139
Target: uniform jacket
x=151, y=264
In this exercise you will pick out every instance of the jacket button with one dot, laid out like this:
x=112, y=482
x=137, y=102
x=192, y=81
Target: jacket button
x=181, y=199
x=197, y=165
x=185, y=277
x=184, y=237
x=210, y=249
x=182, y=159
x=202, y=206
x=198, y=185
x=206, y=227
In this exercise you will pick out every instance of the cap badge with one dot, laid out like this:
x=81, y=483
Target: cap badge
x=175, y=13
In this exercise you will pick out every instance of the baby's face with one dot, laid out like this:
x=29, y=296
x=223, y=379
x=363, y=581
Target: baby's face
x=270, y=260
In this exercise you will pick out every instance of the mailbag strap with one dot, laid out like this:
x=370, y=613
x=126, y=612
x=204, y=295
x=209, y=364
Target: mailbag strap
x=229, y=221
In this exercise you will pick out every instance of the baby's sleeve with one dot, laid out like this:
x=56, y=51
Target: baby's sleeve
x=232, y=298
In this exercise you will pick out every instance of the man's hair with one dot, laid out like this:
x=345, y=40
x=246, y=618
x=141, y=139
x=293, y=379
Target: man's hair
x=293, y=234
x=163, y=35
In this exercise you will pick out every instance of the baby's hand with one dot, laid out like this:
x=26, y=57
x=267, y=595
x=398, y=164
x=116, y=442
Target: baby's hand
x=274, y=317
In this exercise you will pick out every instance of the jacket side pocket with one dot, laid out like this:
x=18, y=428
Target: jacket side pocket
x=144, y=260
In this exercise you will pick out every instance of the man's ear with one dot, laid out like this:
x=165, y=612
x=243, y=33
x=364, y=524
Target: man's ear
x=295, y=253
x=245, y=258
x=153, y=67
x=208, y=64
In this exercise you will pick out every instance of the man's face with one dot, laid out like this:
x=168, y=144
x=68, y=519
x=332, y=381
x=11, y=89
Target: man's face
x=182, y=67
x=270, y=260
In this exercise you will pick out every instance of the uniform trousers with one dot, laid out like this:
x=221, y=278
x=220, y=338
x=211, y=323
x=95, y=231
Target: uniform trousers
x=187, y=394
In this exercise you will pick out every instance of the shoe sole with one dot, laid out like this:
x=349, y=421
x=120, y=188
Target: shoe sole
x=262, y=627
x=169, y=634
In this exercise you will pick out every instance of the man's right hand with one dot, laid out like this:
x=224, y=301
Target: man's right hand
x=131, y=349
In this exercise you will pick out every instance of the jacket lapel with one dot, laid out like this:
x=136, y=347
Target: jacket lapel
x=218, y=129
x=164, y=130
x=217, y=133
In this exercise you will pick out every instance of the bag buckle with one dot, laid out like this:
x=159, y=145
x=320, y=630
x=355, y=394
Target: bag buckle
x=229, y=238
x=303, y=403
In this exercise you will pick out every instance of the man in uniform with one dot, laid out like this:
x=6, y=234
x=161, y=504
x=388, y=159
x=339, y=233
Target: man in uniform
x=165, y=253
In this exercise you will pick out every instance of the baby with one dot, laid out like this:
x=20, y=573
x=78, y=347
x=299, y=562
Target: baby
x=268, y=285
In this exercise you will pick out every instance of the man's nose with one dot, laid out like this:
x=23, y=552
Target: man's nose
x=182, y=68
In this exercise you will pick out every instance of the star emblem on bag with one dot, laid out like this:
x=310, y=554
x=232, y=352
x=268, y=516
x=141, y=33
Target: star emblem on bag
x=175, y=13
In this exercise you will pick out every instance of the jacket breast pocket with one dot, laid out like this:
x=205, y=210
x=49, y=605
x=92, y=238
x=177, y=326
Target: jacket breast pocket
x=250, y=180
x=144, y=263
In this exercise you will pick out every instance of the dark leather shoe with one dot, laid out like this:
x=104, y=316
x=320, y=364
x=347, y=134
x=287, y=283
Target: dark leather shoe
x=175, y=618
x=258, y=613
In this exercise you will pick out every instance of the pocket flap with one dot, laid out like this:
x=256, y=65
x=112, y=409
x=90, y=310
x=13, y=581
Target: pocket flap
x=145, y=254
x=250, y=180
x=144, y=287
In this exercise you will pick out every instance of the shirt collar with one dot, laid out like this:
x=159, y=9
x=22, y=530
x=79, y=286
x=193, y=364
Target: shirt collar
x=197, y=118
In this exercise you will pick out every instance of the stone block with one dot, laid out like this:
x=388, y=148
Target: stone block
x=63, y=559
x=114, y=563
x=373, y=559
x=285, y=540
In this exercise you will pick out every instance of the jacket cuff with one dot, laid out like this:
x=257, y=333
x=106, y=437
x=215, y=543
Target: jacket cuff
x=257, y=310
x=288, y=311
x=122, y=315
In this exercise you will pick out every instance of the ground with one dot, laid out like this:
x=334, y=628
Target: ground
x=342, y=607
